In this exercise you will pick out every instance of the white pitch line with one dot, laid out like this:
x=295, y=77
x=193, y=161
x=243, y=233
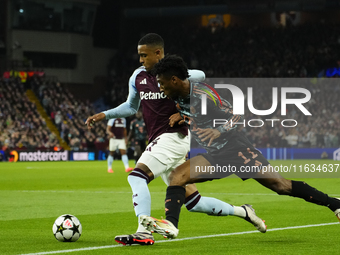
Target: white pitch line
x=129, y=192
x=182, y=239
x=152, y=192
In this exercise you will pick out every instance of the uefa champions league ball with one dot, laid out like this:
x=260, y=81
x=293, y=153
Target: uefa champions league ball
x=67, y=228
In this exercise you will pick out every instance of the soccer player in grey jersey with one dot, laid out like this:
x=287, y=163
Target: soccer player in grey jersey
x=225, y=146
x=190, y=110
x=167, y=145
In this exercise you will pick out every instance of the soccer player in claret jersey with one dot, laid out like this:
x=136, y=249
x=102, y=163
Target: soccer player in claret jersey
x=167, y=146
x=116, y=129
x=138, y=134
x=225, y=146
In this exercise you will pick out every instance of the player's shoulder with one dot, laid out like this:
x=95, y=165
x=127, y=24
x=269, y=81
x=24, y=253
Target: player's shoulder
x=140, y=76
x=202, y=88
x=199, y=88
x=197, y=84
x=140, y=71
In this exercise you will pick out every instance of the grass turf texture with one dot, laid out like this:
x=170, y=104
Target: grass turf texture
x=33, y=195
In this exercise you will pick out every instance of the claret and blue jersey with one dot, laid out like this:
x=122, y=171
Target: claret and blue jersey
x=157, y=108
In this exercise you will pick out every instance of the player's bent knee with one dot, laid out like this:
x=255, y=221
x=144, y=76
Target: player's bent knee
x=137, y=176
x=178, y=178
x=174, y=180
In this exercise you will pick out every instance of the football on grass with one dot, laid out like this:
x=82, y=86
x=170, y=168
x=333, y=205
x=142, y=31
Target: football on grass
x=67, y=228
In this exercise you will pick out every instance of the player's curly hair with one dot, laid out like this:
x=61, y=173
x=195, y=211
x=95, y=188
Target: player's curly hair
x=152, y=39
x=171, y=65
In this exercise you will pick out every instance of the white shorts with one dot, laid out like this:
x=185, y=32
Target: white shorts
x=165, y=153
x=117, y=144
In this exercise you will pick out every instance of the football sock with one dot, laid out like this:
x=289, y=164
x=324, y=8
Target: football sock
x=240, y=211
x=209, y=205
x=141, y=198
x=310, y=194
x=109, y=162
x=125, y=160
x=175, y=196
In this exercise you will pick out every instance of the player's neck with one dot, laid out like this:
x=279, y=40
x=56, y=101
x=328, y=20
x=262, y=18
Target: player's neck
x=185, y=88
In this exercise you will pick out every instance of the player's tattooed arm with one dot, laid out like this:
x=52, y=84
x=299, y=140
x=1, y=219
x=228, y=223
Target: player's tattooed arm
x=174, y=118
x=94, y=118
x=208, y=133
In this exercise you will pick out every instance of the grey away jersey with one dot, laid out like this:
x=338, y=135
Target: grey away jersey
x=190, y=110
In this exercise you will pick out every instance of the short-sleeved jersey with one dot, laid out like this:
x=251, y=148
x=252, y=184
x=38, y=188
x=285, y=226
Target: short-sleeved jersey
x=137, y=127
x=118, y=126
x=157, y=108
x=190, y=110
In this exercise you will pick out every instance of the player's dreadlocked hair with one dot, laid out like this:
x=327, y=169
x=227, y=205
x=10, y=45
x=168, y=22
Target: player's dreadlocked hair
x=152, y=39
x=171, y=65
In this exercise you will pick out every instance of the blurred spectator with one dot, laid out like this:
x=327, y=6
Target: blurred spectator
x=58, y=119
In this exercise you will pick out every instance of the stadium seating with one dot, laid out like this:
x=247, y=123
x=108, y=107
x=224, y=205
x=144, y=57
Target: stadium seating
x=21, y=125
x=301, y=51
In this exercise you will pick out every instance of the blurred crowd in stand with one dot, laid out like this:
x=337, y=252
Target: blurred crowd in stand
x=21, y=125
x=69, y=114
x=304, y=51
x=232, y=52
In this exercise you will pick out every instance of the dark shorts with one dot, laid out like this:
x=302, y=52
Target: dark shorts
x=141, y=143
x=238, y=157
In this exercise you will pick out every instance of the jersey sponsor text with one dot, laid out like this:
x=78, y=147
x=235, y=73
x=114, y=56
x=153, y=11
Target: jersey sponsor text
x=151, y=95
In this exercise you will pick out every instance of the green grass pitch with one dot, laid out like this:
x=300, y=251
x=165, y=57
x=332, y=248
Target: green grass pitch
x=33, y=195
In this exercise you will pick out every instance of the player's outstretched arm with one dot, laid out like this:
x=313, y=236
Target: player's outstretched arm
x=129, y=107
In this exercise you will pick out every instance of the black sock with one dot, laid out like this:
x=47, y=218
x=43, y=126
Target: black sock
x=175, y=196
x=310, y=194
